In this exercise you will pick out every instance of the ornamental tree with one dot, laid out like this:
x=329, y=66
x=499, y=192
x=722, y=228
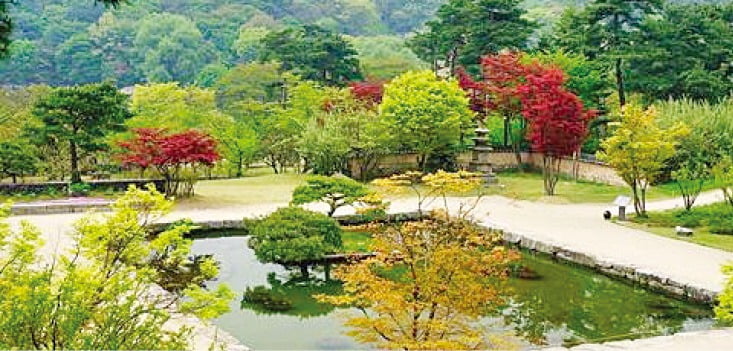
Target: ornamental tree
x=425, y=114
x=176, y=157
x=293, y=236
x=558, y=123
x=334, y=191
x=369, y=92
x=427, y=287
x=638, y=150
x=80, y=117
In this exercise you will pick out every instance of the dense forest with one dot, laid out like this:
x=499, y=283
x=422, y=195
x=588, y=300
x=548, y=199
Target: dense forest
x=65, y=42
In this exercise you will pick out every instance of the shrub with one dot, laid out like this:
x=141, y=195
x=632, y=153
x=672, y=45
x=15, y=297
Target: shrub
x=294, y=236
x=80, y=189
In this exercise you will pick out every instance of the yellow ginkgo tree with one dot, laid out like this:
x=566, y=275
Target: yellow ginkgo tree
x=638, y=149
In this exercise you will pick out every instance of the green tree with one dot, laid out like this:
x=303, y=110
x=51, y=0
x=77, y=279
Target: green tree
x=605, y=30
x=466, y=30
x=684, y=53
x=177, y=108
x=313, y=53
x=239, y=142
x=102, y=294
x=425, y=114
x=250, y=82
x=17, y=159
x=80, y=117
x=175, y=50
x=294, y=236
x=638, y=150
x=385, y=57
x=336, y=192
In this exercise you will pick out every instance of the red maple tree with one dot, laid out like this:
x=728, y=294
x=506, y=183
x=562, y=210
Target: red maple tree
x=171, y=155
x=369, y=92
x=558, y=122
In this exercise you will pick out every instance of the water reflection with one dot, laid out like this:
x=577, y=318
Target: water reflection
x=559, y=305
x=298, y=292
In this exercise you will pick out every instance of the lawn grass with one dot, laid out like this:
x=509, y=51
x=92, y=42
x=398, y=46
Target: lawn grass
x=702, y=236
x=259, y=186
x=529, y=186
x=712, y=224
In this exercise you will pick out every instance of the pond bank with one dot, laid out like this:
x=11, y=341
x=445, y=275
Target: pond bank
x=652, y=280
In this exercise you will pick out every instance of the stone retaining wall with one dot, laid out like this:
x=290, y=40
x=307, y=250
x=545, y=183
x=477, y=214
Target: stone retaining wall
x=652, y=280
x=584, y=170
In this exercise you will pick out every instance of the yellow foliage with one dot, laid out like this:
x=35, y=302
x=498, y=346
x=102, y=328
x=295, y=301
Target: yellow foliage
x=427, y=287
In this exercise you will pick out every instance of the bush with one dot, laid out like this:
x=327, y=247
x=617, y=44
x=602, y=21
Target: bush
x=294, y=236
x=79, y=189
x=717, y=217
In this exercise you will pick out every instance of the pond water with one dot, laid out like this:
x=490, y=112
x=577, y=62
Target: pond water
x=563, y=304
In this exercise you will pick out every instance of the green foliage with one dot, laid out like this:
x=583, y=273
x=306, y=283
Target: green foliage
x=385, y=57
x=334, y=191
x=79, y=117
x=466, y=30
x=638, y=149
x=101, y=295
x=239, y=142
x=684, y=53
x=17, y=158
x=717, y=218
x=176, y=108
x=348, y=133
x=80, y=189
x=260, y=82
x=724, y=309
x=294, y=236
x=313, y=53
x=723, y=175
x=426, y=114
x=175, y=50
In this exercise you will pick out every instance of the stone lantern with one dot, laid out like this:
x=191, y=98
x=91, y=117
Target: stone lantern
x=481, y=153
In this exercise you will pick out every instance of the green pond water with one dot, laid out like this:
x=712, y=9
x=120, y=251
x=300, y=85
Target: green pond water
x=563, y=305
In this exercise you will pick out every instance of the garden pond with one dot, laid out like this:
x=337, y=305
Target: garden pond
x=560, y=304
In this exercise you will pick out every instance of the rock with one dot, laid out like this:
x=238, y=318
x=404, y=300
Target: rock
x=683, y=231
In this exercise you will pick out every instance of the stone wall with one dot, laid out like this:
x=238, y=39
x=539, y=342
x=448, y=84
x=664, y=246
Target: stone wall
x=584, y=170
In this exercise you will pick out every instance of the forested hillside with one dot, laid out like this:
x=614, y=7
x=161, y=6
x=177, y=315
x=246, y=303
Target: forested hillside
x=64, y=42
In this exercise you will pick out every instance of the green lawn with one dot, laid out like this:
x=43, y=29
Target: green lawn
x=259, y=186
x=529, y=186
x=702, y=236
x=712, y=224
x=262, y=186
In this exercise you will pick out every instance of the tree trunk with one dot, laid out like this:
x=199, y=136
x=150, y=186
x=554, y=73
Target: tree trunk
x=240, y=167
x=304, y=270
x=620, y=82
x=75, y=174
x=327, y=271
x=15, y=178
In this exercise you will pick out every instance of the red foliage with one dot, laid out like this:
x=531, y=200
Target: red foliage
x=153, y=147
x=558, y=123
x=369, y=92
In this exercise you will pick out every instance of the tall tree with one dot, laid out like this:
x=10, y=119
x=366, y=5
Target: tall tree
x=686, y=52
x=605, y=29
x=465, y=30
x=313, y=53
x=80, y=117
x=426, y=114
